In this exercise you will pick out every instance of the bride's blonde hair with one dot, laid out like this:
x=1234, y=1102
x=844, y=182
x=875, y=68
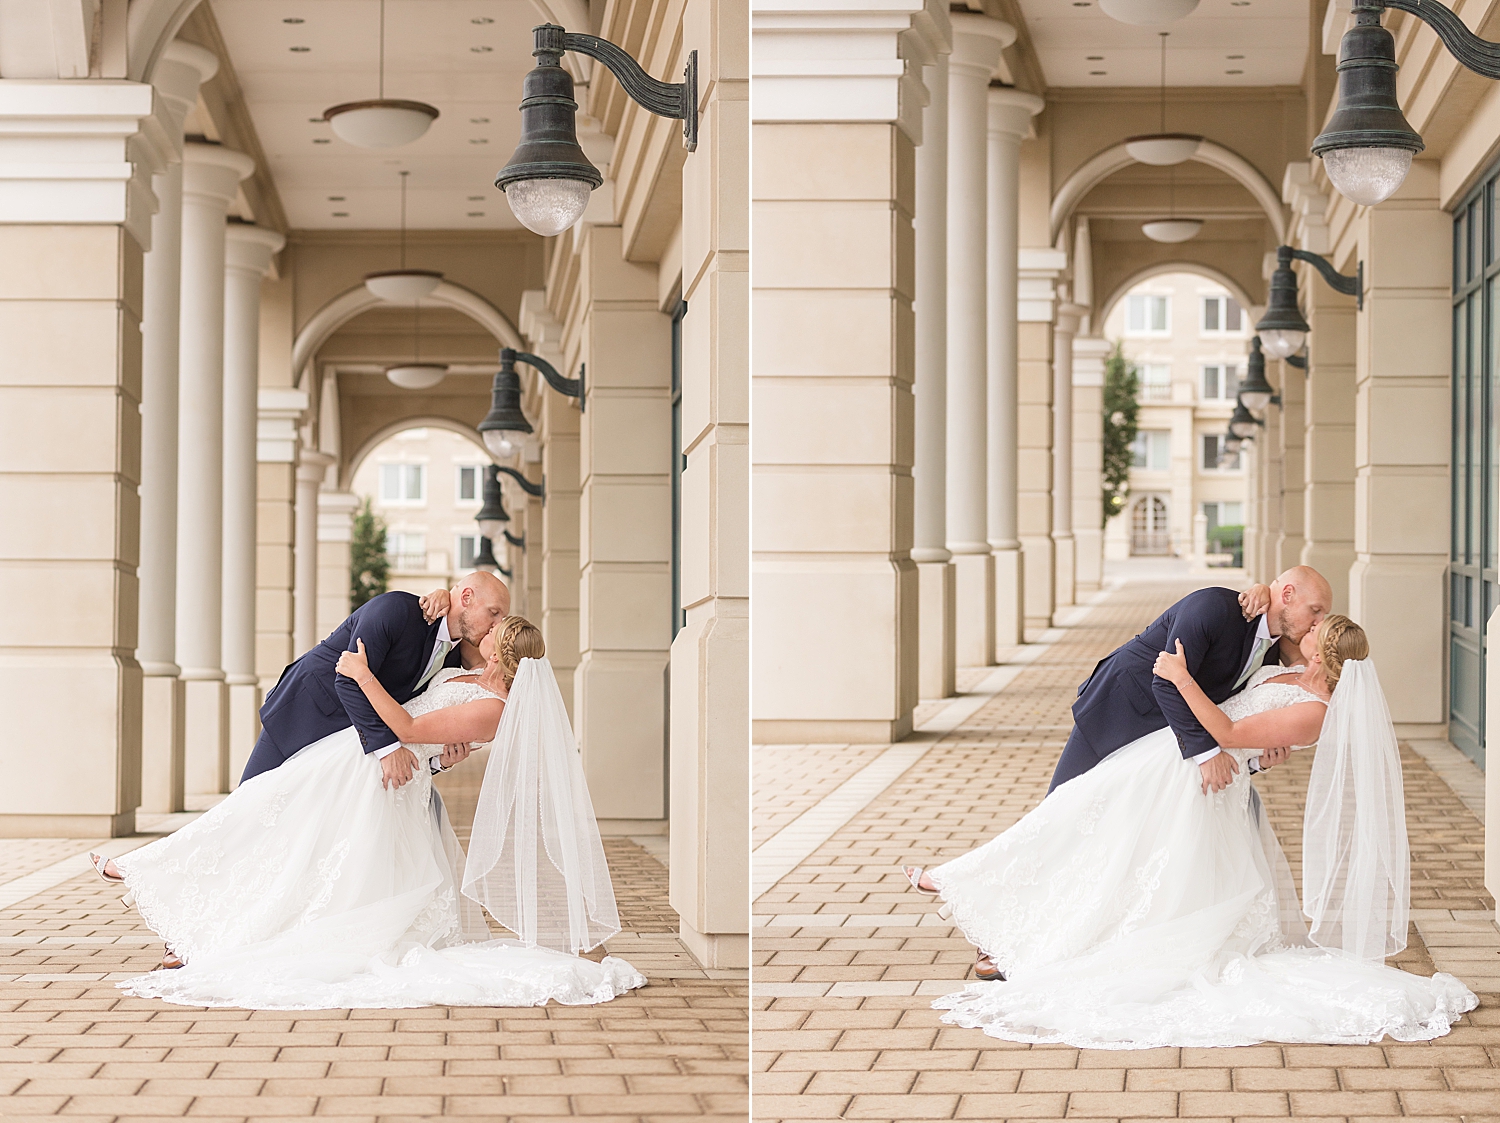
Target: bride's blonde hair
x=1340, y=639
x=516, y=638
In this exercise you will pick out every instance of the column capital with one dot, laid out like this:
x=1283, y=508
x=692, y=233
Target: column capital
x=336, y=515
x=212, y=173
x=1069, y=316
x=249, y=248
x=312, y=465
x=977, y=43
x=1037, y=270
x=1309, y=207
x=182, y=69
x=278, y=413
x=1011, y=110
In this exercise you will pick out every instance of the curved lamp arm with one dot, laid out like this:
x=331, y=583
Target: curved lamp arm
x=1479, y=55
x=514, y=541
x=538, y=490
x=1298, y=361
x=1350, y=286
x=678, y=100
x=568, y=387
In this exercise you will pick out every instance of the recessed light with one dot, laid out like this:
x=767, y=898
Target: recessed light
x=340, y=214
x=317, y=121
x=476, y=214
x=481, y=50
x=482, y=20
x=293, y=19
x=479, y=120
x=1082, y=4
x=1234, y=58
x=479, y=140
x=336, y=198
x=299, y=50
x=321, y=140
x=1234, y=72
x=1094, y=58
x=1098, y=73
x=476, y=198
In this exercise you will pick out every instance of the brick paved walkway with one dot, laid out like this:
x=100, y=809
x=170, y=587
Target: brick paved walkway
x=843, y=1025
x=73, y=1047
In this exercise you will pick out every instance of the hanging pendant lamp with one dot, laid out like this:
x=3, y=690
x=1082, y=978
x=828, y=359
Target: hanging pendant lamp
x=403, y=286
x=1172, y=229
x=417, y=375
x=1146, y=13
x=1163, y=148
x=381, y=122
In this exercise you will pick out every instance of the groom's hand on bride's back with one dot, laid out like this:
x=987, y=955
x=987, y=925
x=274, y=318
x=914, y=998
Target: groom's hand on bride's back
x=397, y=768
x=1219, y=772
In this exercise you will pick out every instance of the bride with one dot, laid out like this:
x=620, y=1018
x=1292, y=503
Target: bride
x=313, y=886
x=1129, y=910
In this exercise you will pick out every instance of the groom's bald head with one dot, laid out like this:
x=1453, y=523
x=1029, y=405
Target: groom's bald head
x=1300, y=598
x=477, y=602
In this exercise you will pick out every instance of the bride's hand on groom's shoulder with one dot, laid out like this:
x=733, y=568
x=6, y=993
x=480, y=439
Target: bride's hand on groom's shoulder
x=353, y=664
x=434, y=605
x=1172, y=667
x=1255, y=600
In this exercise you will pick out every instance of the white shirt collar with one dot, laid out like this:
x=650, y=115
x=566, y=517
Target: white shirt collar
x=442, y=632
x=1262, y=631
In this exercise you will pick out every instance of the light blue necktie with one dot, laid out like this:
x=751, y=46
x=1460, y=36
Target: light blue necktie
x=1261, y=647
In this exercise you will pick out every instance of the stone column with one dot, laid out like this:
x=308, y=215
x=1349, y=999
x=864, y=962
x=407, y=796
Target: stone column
x=1328, y=443
x=1089, y=354
x=710, y=664
x=1292, y=415
x=1397, y=585
x=977, y=43
x=247, y=258
x=935, y=571
x=210, y=180
x=1035, y=312
x=280, y=411
x=75, y=219
x=836, y=593
x=312, y=467
x=1009, y=120
x=625, y=544
x=1069, y=316
x=183, y=67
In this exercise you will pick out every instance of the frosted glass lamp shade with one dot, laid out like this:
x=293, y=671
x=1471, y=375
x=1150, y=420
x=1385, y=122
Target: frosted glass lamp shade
x=1367, y=175
x=403, y=286
x=491, y=529
x=1172, y=229
x=1147, y=13
x=500, y=443
x=1281, y=343
x=417, y=376
x=1163, y=149
x=548, y=206
x=381, y=122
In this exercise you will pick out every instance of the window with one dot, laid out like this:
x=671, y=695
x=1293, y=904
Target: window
x=1223, y=514
x=468, y=483
x=407, y=549
x=1221, y=314
x=1221, y=383
x=1215, y=458
x=1146, y=314
x=1156, y=382
x=466, y=549
x=403, y=483
x=1153, y=450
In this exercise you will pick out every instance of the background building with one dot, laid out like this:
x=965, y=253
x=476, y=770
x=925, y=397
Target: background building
x=1186, y=335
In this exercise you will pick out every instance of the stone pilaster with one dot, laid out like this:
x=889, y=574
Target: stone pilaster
x=1069, y=316
x=1089, y=354
x=1036, y=309
x=279, y=412
x=331, y=558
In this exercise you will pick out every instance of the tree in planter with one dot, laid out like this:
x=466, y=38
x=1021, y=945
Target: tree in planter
x=1121, y=387
x=369, y=566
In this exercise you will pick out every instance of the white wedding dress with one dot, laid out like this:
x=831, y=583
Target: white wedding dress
x=1130, y=911
x=313, y=887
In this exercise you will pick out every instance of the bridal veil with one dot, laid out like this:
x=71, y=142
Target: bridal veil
x=535, y=858
x=1356, y=868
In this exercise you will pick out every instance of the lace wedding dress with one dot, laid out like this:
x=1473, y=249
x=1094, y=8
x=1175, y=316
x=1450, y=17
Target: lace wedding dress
x=313, y=887
x=1130, y=911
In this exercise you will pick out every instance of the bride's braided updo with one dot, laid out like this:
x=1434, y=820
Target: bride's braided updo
x=1340, y=639
x=517, y=638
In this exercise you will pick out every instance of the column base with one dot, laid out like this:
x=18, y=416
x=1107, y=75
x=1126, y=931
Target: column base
x=1402, y=606
x=244, y=726
x=206, y=723
x=163, y=738
x=620, y=716
x=724, y=951
x=974, y=610
x=1088, y=562
x=935, y=641
x=67, y=826
x=770, y=731
x=1009, y=584
x=1065, y=564
x=1038, y=584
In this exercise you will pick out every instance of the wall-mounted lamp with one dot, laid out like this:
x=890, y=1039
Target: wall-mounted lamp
x=505, y=424
x=485, y=559
x=493, y=516
x=518, y=543
x=1242, y=424
x=1283, y=329
x=1255, y=392
x=548, y=179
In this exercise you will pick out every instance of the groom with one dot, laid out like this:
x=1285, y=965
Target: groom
x=1122, y=700
x=311, y=700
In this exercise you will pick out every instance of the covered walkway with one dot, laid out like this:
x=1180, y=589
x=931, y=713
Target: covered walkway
x=848, y=960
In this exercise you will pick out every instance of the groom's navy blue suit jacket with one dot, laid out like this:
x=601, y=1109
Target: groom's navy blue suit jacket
x=312, y=700
x=1122, y=700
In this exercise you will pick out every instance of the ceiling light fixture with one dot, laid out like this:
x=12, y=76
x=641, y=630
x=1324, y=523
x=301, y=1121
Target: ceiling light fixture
x=416, y=375
x=1147, y=13
x=1162, y=149
x=403, y=286
x=382, y=122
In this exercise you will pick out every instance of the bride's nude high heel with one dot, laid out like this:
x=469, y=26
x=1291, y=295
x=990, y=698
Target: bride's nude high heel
x=914, y=874
x=99, y=861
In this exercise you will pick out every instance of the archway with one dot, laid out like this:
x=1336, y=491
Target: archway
x=353, y=463
x=1168, y=267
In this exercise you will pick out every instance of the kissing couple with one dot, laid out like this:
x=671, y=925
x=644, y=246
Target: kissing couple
x=331, y=877
x=1146, y=901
